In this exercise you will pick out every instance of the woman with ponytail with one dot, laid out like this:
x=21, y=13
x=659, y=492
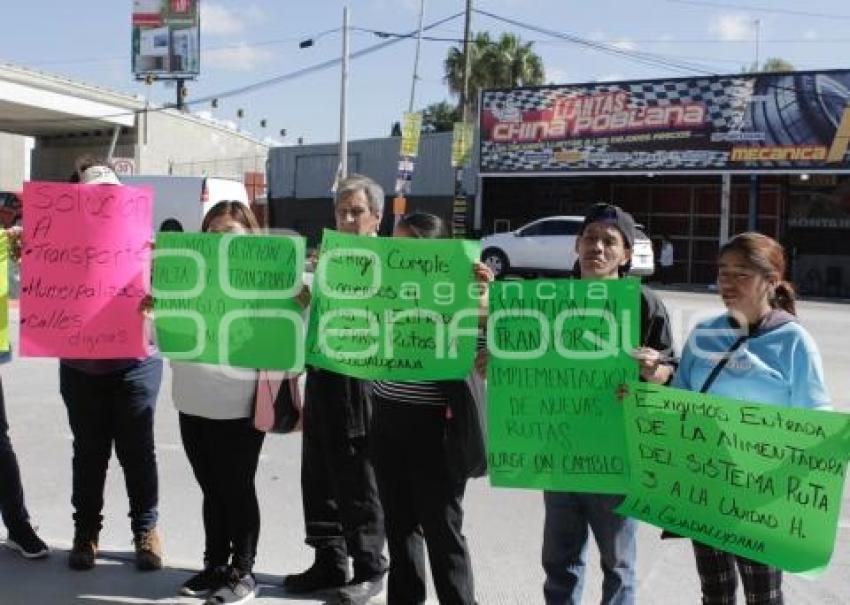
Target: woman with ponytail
x=757, y=351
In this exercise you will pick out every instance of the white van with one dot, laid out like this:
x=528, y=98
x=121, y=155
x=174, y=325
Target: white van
x=186, y=199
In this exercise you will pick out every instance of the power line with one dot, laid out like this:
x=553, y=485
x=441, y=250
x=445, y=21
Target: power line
x=784, y=11
x=248, y=88
x=317, y=67
x=452, y=39
x=659, y=40
x=122, y=58
x=652, y=59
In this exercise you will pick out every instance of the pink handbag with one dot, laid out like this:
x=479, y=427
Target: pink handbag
x=277, y=403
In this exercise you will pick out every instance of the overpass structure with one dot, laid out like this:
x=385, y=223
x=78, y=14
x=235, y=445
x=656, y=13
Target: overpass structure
x=68, y=118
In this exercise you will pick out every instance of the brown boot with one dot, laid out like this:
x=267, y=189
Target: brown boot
x=84, y=550
x=148, y=550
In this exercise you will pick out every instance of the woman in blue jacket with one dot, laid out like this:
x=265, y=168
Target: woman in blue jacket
x=757, y=351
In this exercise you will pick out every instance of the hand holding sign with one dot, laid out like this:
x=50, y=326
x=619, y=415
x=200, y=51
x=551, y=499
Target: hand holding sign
x=86, y=266
x=761, y=481
x=558, y=349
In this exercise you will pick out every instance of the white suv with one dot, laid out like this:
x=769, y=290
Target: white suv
x=548, y=245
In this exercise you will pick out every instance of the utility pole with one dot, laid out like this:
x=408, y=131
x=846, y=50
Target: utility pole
x=460, y=213
x=467, y=63
x=181, y=94
x=416, y=60
x=343, y=107
x=757, y=24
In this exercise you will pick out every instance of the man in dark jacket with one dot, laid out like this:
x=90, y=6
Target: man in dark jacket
x=604, y=247
x=342, y=512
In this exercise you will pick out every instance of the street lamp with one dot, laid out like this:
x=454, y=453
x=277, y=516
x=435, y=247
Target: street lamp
x=343, y=104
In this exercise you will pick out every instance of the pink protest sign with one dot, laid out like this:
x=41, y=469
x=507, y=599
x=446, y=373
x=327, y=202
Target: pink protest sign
x=85, y=267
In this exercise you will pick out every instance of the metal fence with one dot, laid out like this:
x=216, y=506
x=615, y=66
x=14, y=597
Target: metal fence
x=233, y=168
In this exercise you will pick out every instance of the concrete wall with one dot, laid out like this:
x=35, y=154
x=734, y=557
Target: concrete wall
x=163, y=142
x=53, y=158
x=189, y=146
x=13, y=162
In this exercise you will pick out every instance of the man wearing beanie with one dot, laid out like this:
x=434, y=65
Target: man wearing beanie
x=604, y=246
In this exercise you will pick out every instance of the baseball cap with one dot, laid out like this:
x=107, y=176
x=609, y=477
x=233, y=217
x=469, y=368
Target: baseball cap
x=99, y=175
x=611, y=215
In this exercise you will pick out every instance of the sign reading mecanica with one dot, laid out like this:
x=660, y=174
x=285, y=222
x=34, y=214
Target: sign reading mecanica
x=761, y=481
x=558, y=351
x=229, y=299
x=394, y=308
x=771, y=121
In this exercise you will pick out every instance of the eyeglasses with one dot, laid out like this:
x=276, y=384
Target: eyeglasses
x=355, y=212
x=737, y=277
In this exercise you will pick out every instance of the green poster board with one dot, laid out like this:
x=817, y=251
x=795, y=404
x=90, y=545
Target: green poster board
x=558, y=351
x=4, y=291
x=228, y=299
x=761, y=481
x=394, y=308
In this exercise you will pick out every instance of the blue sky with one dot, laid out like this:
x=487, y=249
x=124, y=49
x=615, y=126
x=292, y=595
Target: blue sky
x=245, y=41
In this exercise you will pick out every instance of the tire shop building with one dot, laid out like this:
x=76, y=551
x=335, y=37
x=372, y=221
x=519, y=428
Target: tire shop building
x=697, y=159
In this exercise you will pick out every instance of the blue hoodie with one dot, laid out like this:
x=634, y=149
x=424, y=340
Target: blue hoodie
x=777, y=364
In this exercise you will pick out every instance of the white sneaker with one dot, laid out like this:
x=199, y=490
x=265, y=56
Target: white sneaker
x=237, y=589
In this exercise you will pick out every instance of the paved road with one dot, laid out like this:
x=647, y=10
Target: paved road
x=503, y=526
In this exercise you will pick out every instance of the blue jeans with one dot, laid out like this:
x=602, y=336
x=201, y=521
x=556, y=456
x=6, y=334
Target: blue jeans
x=568, y=516
x=113, y=408
x=11, y=492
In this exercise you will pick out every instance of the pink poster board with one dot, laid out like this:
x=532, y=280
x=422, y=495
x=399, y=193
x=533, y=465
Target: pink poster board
x=85, y=267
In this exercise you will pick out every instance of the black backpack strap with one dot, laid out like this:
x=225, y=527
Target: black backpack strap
x=722, y=363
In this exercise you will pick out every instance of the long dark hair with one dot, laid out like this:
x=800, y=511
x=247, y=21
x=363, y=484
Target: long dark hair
x=767, y=256
x=424, y=225
x=238, y=211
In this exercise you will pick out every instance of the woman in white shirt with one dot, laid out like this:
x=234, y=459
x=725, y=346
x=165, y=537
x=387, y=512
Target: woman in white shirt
x=223, y=448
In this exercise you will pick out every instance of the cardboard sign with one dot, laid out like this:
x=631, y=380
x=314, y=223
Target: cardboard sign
x=764, y=482
x=394, y=308
x=229, y=299
x=85, y=270
x=558, y=349
x=4, y=291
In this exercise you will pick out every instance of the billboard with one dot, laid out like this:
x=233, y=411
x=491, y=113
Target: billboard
x=745, y=122
x=166, y=38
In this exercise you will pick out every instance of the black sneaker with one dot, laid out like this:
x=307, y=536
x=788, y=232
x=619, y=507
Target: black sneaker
x=204, y=582
x=320, y=576
x=238, y=588
x=25, y=541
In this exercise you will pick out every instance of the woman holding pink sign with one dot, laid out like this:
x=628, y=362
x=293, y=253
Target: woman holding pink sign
x=112, y=401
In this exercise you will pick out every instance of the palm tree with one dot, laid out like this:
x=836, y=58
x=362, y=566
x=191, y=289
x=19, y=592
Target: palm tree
x=505, y=63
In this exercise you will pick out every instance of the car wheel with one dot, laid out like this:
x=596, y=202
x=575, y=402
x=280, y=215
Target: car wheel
x=496, y=260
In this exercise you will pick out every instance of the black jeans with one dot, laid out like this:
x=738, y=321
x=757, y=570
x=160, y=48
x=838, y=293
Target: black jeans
x=113, y=408
x=11, y=491
x=420, y=498
x=342, y=511
x=224, y=456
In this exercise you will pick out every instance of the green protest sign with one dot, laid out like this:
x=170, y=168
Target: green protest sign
x=761, y=481
x=558, y=351
x=394, y=308
x=228, y=299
